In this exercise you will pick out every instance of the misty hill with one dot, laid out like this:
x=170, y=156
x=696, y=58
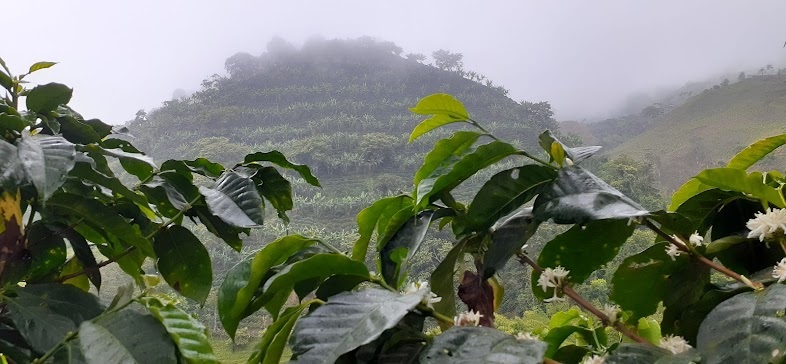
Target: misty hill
x=708, y=128
x=340, y=106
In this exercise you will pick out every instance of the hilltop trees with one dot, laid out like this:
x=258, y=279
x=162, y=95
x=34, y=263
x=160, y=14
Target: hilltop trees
x=448, y=61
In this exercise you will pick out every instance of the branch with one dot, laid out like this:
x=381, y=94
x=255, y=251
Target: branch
x=524, y=259
x=720, y=268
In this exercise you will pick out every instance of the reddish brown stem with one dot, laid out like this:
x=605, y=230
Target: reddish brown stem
x=681, y=246
x=581, y=301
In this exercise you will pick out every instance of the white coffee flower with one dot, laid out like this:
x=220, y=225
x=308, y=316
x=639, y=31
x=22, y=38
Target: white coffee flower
x=767, y=225
x=526, y=336
x=673, y=251
x=611, y=311
x=430, y=299
x=675, y=344
x=552, y=278
x=595, y=359
x=696, y=239
x=779, y=271
x=470, y=318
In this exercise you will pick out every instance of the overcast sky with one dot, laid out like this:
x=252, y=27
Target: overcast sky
x=585, y=57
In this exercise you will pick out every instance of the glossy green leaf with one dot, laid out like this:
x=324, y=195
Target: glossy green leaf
x=684, y=287
x=187, y=332
x=101, y=128
x=11, y=122
x=639, y=354
x=45, y=313
x=40, y=65
x=376, y=217
x=126, y=337
x=280, y=160
x=46, y=161
x=48, y=97
x=639, y=283
x=276, y=189
x=5, y=81
x=441, y=104
x=445, y=153
x=585, y=248
x=48, y=250
x=577, y=196
x=274, y=341
x=746, y=328
x=12, y=174
x=702, y=208
x=240, y=283
x=100, y=216
x=317, y=266
x=738, y=180
x=719, y=245
x=505, y=192
x=235, y=200
x=407, y=239
x=430, y=124
x=756, y=151
x=347, y=321
x=132, y=160
x=82, y=252
x=443, y=284
x=471, y=345
x=85, y=172
x=507, y=238
x=184, y=262
x=691, y=188
x=447, y=177
x=649, y=329
x=76, y=131
x=228, y=233
x=557, y=335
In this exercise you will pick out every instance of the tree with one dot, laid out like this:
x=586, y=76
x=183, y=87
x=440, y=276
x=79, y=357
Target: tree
x=241, y=64
x=448, y=61
x=741, y=76
x=140, y=115
x=66, y=214
x=417, y=57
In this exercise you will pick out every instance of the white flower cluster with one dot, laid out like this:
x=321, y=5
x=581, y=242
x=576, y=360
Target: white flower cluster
x=430, y=299
x=674, y=344
x=611, y=311
x=594, y=359
x=470, y=318
x=673, y=251
x=552, y=278
x=767, y=225
x=779, y=271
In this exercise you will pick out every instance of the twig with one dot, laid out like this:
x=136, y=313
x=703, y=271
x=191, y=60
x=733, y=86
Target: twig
x=720, y=268
x=568, y=291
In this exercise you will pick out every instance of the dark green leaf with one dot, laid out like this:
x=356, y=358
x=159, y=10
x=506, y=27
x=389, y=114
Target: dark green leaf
x=228, y=233
x=442, y=281
x=48, y=97
x=637, y=354
x=101, y=128
x=47, y=161
x=746, y=328
x=578, y=196
x=557, y=335
x=47, y=249
x=5, y=81
x=132, y=160
x=447, y=178
x=280, y=160
x=45, y=313
x=317, y=266
x=756, y=151
x=271, y=347
x=407, y=239
x=338, y=284
x=76, y=131
x=347, y=321
x=684, y=287
x=126, y=337
x=639, y=283
x=86, y=173
x=376, y=216
x=506, y=239
x=702, y=208
x=471, y=345
x=188, y=333
x=11, y=122
x=240, y=283
x=184, y=262
x=100, y=216
x=12, y=174
x=505, y=192
x=446, y=152
x=276, y=189
x=585, y=248
x=235, y=200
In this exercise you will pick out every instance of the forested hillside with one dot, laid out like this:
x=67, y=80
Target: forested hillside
x=340, y=106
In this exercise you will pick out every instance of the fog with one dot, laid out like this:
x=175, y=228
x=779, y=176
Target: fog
x=586, y=58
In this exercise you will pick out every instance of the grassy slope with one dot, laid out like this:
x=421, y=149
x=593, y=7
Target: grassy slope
x=711, y=127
